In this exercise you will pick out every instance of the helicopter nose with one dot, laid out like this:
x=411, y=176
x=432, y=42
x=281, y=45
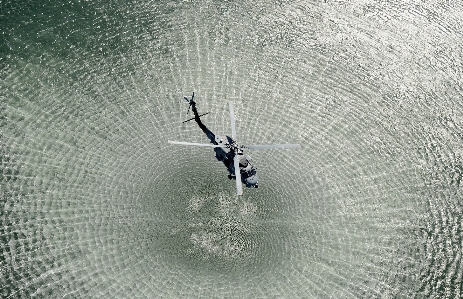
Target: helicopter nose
x=251, y=181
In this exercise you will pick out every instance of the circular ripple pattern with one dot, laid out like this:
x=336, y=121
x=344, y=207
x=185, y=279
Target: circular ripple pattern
x=96, y=204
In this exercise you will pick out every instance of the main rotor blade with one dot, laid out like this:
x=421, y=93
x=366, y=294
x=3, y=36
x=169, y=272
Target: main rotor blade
x=232, y=119
x=192, y=143
x=271, y=146
x=239, y=187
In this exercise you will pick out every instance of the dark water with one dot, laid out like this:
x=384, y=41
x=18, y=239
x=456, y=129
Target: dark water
x=96, y=204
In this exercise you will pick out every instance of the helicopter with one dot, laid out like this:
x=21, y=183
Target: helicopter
x=229, y=152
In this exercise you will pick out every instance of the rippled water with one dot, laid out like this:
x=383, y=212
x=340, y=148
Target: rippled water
x=96, y=204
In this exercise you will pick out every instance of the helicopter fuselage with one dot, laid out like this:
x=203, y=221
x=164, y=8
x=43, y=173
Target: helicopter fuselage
x=227, y=153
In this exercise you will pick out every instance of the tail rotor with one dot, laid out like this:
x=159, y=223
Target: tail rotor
x=191, y=102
